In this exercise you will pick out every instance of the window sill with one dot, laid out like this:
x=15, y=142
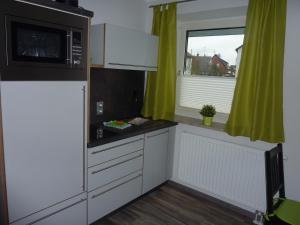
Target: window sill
x=216, y=132
x=194, y=114
x=198, y=123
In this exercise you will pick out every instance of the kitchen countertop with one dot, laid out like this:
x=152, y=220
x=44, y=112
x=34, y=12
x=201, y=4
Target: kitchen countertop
x=109, y=136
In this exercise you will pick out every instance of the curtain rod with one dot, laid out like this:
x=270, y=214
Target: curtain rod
x=178, y=2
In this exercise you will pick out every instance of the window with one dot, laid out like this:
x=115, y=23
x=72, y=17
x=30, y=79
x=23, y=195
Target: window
x=210, y=68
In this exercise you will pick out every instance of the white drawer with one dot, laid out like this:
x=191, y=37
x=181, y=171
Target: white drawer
x=71, y=211
x=114, y=150
x=110, y=197
x=110, y=171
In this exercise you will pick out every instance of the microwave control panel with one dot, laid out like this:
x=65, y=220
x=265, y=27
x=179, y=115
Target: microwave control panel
x=77, y=48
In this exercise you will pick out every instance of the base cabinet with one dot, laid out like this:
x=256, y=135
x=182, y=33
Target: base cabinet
x=114, y=176
x=155, y=159
x=133, y=166
x=104, y=200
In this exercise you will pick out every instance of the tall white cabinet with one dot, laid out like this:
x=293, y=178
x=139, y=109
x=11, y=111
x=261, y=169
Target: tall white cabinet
x=123, y=48
x=44, y=149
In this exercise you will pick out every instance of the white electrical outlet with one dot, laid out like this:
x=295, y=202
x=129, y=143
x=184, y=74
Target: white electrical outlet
x=99, y=108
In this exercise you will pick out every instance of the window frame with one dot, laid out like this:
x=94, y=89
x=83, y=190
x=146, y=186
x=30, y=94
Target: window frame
x=182, y=28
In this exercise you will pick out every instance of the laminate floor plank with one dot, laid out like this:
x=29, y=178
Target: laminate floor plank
x=169, y=205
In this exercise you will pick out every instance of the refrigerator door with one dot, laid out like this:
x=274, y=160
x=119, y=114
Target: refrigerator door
x=44, y=144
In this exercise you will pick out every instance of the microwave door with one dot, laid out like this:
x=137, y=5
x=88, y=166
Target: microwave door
x=31, y=43
x=39, y=44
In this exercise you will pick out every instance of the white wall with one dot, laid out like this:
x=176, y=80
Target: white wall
x=291, y=100
x=129, y=13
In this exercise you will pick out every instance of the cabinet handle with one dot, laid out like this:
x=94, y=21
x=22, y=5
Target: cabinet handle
x=83, y=139
x=97, y=195
x=116, y=164
x=69, y=48
x=116, y=146
x=6, y=40
x=154, y=135
x=121, y=64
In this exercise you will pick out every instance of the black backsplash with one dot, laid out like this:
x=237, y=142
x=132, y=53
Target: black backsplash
x=122, y=92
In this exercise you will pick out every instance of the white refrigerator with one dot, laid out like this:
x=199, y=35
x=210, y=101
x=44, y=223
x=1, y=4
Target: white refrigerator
x=45, y=150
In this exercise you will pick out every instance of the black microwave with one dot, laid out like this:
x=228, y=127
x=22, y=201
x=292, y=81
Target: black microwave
x=37, y=43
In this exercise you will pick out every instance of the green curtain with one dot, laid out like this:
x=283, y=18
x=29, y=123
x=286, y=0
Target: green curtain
x=159, y=101
x=257, y=108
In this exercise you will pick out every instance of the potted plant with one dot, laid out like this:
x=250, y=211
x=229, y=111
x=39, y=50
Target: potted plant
x=208, y=112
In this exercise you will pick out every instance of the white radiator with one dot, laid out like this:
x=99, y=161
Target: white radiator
x=232, y=172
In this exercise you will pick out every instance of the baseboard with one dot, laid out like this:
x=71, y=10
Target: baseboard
x=222, y=203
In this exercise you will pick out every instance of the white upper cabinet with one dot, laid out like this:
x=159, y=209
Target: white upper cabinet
x=123, y=48
x=152, y=51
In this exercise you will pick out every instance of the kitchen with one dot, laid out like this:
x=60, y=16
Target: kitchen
x=79, y=117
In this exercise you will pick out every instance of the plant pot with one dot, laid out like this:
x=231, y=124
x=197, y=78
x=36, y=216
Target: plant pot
x=207, y=121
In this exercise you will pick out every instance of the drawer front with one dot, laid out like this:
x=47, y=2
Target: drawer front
x=113, y=170
x=75, y=215
x=109, y=198
x=71, y=211
x=114, y=150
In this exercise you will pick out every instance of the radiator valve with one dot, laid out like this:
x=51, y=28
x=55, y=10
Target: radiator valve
x=259, y=218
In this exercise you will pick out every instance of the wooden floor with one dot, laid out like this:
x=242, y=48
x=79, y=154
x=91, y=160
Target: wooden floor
x=171, y=205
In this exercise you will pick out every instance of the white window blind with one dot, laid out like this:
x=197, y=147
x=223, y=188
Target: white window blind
x=195, y=91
